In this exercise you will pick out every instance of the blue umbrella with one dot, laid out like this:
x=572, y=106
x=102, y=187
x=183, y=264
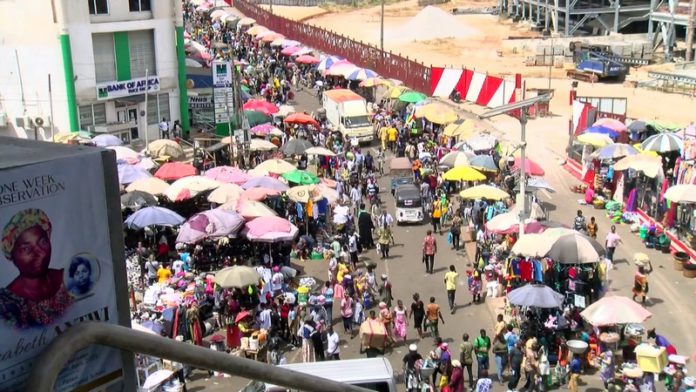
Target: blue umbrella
x=129, y=173
x=266, y=182
x=362, y=74
x=614, y=151
x=327, y=62
x=153, y=216
x=603, y=131
x=106, y=140
x=483, y=162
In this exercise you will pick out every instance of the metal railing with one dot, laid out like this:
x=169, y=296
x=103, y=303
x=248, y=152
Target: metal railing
x=52, y=360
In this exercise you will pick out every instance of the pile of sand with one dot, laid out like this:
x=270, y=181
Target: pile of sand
x=430, y=24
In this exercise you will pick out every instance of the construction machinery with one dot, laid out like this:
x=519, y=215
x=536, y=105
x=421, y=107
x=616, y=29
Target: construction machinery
x=595, y=62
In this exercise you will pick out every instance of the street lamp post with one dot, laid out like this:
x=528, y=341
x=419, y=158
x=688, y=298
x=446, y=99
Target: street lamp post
x=522, y=107
x=381, y=29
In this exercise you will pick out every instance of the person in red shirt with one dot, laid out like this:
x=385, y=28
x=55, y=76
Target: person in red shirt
x=429, y=251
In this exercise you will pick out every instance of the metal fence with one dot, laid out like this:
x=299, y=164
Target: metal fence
x=295, y=3
x=390, y=65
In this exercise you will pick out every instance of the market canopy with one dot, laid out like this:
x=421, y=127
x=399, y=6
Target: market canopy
x=296, y=146
x=411, y=97
x=482, y=142
x=614, y=151
x=611, y=123
x=535, y=295
x=648, y=164
x=575, y=248
x=484, y=192
x=276, y=166
x=463, y=173
x=188, y=187
x=681, y=193
x=437, y=113
x=175, y=170
x=456, y=159
x=266, y=182
x=225, y=193
x=228, y=175
x=615, y=310
x=138, y=199
x=663, y=142
x=131, y=173
x=152, y=185
x=261, y=105
x=483, y=163
x=595, y=139
x=153, y=216
x=301, y=177
x=270, y=229
x=165, y=148
x=237, y=276
x=106, y=140
x=209, y=225
x=531, y=168
x=461, y=128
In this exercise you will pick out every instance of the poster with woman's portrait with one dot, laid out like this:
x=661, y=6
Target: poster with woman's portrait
x=55, y=266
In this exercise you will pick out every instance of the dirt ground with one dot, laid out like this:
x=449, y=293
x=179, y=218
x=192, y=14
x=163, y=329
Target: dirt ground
x=484, y=51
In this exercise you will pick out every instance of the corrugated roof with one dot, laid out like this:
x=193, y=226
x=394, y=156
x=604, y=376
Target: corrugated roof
x=342, y=95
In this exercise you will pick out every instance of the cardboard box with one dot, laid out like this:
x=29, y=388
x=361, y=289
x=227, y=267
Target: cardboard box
x=373, y=334
x=650, y=358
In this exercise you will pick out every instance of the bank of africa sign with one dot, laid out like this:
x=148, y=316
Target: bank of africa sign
x=127, y=88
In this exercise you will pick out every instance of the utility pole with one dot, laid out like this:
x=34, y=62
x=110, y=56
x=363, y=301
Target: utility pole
x=520, y=106
x=381, y=28
x=229, y=124
x=50, y=104
x=147, y=89
x=690, y=32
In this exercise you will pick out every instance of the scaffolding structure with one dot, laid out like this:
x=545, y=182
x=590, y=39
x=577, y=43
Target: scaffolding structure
x=571, y=17
x=667, y=16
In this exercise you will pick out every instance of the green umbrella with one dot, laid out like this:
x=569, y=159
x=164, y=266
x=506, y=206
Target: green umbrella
x=411, y=97
x=301, y=177
x=257, y=118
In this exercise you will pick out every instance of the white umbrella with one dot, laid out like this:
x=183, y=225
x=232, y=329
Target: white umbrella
x=535, y=295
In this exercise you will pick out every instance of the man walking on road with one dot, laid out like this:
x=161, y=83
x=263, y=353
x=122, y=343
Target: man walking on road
x=451, y=286
x=429, y=251
x=613, y=240
x=482, y=345
x=466, y=357
x=433, y=314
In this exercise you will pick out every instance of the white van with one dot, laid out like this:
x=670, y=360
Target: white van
x=375, y=374
x=347, y=112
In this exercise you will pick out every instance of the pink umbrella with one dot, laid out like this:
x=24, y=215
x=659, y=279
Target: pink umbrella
x=262, y=129
x=328, y=182
x=210, y=224
x=290, y=50
x=228, y=174
x=202, y=55
x=258, y=194
x=531, y=168
x=307, y=59
x=270, y=229
x=341, y=68
x=261, y=105
x=615, y=310
x=611, y=123
x=175, y=170
x=302, y=51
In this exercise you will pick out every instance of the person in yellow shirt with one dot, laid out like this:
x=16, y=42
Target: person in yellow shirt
x=163, y=274
x=391, y=136
x=451, y=286
x=436, y=215
x=384, y=136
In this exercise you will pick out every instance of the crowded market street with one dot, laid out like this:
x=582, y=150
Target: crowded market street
x=672, y=314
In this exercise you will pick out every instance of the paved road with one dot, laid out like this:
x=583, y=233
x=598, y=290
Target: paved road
x=670, y=293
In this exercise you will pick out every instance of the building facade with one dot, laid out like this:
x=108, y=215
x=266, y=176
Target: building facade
x=101, y=57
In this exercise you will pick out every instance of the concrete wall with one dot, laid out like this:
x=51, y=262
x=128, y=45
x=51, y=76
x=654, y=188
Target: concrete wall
x=35, y=46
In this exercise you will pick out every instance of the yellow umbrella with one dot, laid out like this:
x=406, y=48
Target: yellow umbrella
x=395, y=92
x=639, y=147
x=165, y=147
x=461, y=129
x=255, y=29
x=372, y=82
x=225, y=193
x=484, y=192
x=437, y=113
x=303, y=193
x=277, y=166
x=595, y=139
x=648, y=164
x=188, y=187
x=151, y=185
x=463, y=173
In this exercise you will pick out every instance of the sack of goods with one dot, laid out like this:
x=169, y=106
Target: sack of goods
x=373, y=334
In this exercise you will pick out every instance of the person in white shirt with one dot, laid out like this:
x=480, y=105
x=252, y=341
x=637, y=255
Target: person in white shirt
x=332, y=345
x=385, y=219
x=353, y=248
x=277, y=281
x=355, y=198
x=178, y=266
x=164, y=129
x=265, y=317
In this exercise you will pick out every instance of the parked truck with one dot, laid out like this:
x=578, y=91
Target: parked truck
x=347, y=113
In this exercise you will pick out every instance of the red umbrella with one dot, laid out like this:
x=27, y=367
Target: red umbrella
x=261, y=105
x=307, y=59
x=301, y=118
x=290, y=50
x=175, y=170
x=530, y=167
x=241, y=315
